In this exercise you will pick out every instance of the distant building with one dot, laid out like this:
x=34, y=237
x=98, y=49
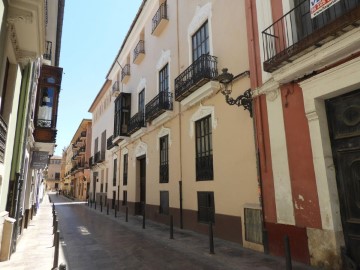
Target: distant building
x=52, y=177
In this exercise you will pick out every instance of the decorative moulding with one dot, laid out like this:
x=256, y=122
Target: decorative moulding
x=163, y=132
x=202, y=112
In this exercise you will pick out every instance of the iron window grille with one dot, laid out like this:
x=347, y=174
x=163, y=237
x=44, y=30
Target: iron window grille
x=125, y=170
x=3, y=135
x=204, y=154
x=124, y=202
x=206, y=207
x=164, y=159
x=125, y=71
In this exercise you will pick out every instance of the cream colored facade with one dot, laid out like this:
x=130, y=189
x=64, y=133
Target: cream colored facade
x=234, y=183
x=53, y=173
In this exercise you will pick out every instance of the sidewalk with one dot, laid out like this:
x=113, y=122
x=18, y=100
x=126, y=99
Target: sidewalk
x=35, y=248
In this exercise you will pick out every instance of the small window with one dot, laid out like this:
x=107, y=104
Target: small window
x=125, y=170
x=164, y=159
x=206, y=207
x=204, y=155
x=164, y=202
x=57, y=176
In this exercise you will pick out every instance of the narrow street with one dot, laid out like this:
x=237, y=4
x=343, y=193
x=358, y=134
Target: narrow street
x=91, y=239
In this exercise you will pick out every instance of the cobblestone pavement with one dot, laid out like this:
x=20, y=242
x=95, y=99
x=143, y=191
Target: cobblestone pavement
x=94, y=240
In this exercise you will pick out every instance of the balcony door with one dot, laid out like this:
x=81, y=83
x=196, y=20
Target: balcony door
x=344, y=124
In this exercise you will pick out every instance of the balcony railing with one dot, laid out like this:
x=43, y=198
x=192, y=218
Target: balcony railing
x=161, y=17
x=48, y=52
x=158, y=105
x=91, y=161
x=136, y=122
x=81, y=150
x=296, y=32
x=139, y=52
x=3, y=133
x=109, y=143
x=196, y=75
x=99, y=156
x=125, y=72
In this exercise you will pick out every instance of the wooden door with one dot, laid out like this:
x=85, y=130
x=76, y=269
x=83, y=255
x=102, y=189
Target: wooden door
x=344, y=125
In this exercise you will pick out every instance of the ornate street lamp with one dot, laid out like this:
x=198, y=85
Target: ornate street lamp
x=226, y=80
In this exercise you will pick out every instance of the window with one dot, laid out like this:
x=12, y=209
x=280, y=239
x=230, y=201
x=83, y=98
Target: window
x=44, y=117
x=206, y=207
x=200, y=42
x=57, y=176
x=125, y=170
x=114, y=173
x=96, y=147
x=101, y=187
x=204, y=157
x=164, y=202
x=103, y=145
x=164, y=159
x=164, y=79
x=141, y=101
x=106, y=187
x=124, y=202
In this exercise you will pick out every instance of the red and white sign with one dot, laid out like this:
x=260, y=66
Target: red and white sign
x=318, y=6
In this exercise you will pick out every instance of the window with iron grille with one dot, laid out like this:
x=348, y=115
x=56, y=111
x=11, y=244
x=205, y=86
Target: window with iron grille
x=125, y=170
x=206, y=207
x=164, y=202
x=106, y=187
x=164, y=159
x=200, y=42
x=101, y=187
x=115, y=172
x=57, y=176
x=204, y=155
x=124, y=202
x=164, y=79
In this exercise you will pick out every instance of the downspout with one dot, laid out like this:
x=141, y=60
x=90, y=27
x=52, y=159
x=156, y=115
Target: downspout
x=257, y=113
x=180, y=138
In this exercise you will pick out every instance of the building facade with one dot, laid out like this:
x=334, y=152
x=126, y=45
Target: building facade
x=179, y=148
x=30, y=82
x=52, y=176
x=305, y=75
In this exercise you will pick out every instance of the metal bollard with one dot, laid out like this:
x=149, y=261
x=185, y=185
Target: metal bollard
x=56, y=252
x=101, y=207
x=211, y=238
x=62, y=266
x=171, y=227
x=127, y=214
x=95, y=205
x=287, y=253
x=56, y=226
x=54, y=219
x=115, y=211
x=143, y=223
x=107, y=209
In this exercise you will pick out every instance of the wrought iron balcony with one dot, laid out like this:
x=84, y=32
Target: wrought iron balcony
x=125, y=73
x=201, y=71
x=139, y=52
x=296, y=33
x=3, y=134
x=99, y=156
x=91, y=161
x=109, y=143
x=81, y=150
x=160, y=19
x=48, y=53
x=158, y=105
x=136, y=122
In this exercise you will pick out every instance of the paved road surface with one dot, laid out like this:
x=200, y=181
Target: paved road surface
x=92, y=240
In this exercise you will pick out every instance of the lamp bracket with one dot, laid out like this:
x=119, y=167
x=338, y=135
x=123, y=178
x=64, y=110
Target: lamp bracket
x=244, y=100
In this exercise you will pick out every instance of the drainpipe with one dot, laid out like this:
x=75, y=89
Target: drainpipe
x=257, y=113
x=179, y=113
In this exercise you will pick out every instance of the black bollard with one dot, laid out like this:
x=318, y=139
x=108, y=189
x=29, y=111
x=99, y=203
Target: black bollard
x=115, y=211
x=107, y=209
x=101, y=207
x=171, y=227
x=211, y=238
x=90, y=203
x=95, y=205
x=56, y=252
x=127, y=214
x=287, y=253
x=55, y=226
x=62, y=266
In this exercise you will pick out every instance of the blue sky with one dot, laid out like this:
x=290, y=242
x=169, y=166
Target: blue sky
x=93, y=32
